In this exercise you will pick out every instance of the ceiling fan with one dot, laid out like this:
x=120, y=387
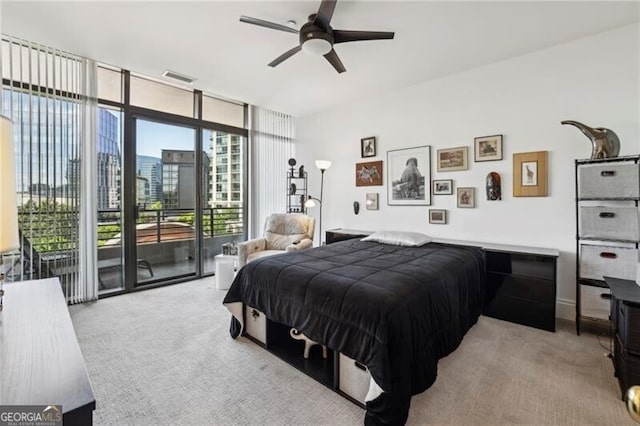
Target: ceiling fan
x=317, y=37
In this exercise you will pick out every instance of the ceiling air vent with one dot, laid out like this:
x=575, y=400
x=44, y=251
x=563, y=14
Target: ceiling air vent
x=179, y=77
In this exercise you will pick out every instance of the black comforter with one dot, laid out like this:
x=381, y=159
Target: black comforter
x=395, y=309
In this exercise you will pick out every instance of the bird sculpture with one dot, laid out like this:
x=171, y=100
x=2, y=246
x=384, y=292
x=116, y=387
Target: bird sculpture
x=605, y=143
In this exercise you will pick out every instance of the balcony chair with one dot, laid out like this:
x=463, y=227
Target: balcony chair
x=283, y=232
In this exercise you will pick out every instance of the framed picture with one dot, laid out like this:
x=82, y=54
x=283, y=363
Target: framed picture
x=409, y=176
x=442, y=187
x=369, y=174
x=368, y=147
x=466, y=197
x=453, y=159
x=372, y=201
x=487, y=148
x=438, y=216
x=530, y=174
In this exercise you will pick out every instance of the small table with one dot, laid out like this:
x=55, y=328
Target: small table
x=225, y=270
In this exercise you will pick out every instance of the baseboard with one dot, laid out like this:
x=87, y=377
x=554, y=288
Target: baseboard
x=566, y=309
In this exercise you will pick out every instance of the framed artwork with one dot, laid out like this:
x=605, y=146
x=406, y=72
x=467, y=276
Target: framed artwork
x=368, y=147
x=438, y=216
x=453, y=159
x=409, y=176
x=466, y=198
x=372, y=201
x=442, y=187
x=530, y=174
x=487, y=148
x=369, y=174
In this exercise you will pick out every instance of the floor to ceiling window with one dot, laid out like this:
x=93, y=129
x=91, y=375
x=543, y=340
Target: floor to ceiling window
x=170, y=166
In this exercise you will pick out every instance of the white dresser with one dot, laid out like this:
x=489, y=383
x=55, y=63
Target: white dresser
x=608, y=233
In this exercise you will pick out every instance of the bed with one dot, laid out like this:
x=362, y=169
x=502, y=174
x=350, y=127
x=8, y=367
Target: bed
x=395, y=309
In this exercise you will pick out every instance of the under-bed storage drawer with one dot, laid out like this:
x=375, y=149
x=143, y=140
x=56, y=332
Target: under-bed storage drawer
x=255, y=324
x=615, y=223
x=615, y=180
x=597, y=261
x=354, y=378
x=595, y=302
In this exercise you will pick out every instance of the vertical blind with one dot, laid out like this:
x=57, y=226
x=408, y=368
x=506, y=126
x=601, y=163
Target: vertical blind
x=272, y=144
x=43, y=93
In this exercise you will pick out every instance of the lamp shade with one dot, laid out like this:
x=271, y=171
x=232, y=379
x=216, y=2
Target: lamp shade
x=310, y=203
x=9, y=207
x=323, y=164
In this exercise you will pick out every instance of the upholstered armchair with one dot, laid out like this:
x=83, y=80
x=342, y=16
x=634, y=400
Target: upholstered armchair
x=282, y=233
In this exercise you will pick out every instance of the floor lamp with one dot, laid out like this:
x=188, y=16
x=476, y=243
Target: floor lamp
x=323, y=165
x=9, y=240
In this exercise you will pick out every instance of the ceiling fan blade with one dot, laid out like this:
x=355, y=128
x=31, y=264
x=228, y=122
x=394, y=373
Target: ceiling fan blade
x=333, y=59
x=341, y=36
x=267, y=24
x=325, y=13
x=286, y=55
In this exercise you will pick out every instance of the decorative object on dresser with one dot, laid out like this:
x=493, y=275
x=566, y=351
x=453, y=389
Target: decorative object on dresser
x=372, y=201
x=487, y=148
x=369, y=174
x=530, y=174
x=297, y=188
x=607, y=233
x=453, y=159
x=438, y=216
x=604, y=142
x=625, y=318
x=493, y=187
x=9, y=240
x=466, y=197
x=368, y=147
x=409, y=176
x=442, y=187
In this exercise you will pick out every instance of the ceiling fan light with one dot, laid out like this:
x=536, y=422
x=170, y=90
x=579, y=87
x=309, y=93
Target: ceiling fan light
x=317, y=47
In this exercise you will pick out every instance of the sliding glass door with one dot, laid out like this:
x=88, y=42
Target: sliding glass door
x=165, y=201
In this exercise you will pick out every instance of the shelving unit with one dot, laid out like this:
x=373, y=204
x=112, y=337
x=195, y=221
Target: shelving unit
x=607, y=234
x=296, y=191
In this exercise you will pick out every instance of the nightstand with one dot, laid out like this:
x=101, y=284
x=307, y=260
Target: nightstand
x=225, y=270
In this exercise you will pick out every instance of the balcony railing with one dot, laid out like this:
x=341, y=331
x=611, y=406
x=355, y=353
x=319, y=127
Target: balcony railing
x=171, y=224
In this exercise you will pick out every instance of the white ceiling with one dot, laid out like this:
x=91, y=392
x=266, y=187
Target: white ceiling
x=229, y=58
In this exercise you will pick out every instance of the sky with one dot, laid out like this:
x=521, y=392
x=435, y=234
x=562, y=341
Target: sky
x=153, y=137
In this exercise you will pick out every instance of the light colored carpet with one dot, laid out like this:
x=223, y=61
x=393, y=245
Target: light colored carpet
x=165, y=357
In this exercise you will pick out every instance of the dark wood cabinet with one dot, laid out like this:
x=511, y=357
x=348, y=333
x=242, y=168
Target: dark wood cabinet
x=521, y=288
x=335, y=235
x=625, y=318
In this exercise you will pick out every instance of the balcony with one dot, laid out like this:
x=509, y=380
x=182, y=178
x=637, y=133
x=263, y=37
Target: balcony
x=165, y=244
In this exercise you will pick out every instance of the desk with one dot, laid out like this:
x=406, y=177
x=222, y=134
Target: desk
x=40, y=359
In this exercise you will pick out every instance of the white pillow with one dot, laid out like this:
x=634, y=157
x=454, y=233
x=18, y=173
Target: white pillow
x=399, y=238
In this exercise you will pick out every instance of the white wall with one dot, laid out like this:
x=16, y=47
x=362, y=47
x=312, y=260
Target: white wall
x=594, y=80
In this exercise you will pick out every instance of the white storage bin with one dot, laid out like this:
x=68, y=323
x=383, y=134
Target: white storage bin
x=617, y=223
x=609, y=180
x=595, y=302
x=255, y=324
x=598, y=261
x=354, y=378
